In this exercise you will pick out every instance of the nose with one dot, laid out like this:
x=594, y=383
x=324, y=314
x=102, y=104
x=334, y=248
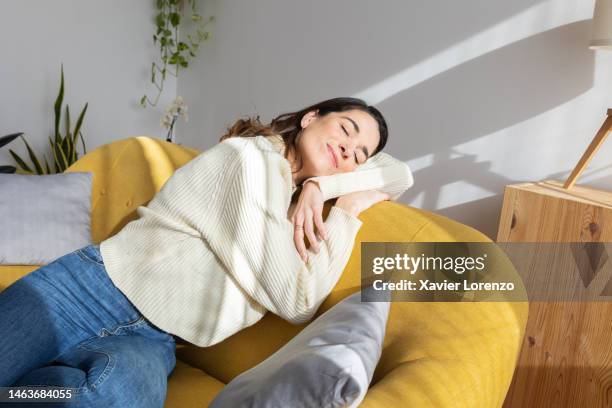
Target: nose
x=346, y=149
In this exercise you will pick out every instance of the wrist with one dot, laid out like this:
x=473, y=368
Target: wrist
x=313, y=182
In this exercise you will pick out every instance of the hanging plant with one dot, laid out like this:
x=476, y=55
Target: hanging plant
x=174, y=54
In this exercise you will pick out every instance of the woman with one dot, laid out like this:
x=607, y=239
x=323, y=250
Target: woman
x=219, y=245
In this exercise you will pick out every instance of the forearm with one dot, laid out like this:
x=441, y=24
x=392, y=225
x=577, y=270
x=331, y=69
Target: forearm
x=381, y=172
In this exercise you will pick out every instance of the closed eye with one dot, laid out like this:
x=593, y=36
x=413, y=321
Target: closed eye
x=344, y=129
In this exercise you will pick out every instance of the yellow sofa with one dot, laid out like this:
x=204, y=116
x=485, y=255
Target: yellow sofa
x=434, y=355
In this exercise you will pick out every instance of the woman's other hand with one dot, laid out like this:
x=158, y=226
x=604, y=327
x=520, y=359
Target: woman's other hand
x=308, y=213
x=355, y=203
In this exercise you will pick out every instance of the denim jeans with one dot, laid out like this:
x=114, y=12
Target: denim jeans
x=66, y=324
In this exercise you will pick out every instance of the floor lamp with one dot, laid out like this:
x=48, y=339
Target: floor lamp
x=600, y=39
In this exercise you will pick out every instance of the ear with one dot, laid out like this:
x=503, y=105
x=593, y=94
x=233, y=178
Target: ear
x=309, y=117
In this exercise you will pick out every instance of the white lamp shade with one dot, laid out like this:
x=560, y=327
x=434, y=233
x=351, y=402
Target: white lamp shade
x=602, y=25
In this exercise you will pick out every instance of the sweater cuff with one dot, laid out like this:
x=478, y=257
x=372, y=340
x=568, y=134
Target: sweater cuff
x=328, y=186
x=343, y=219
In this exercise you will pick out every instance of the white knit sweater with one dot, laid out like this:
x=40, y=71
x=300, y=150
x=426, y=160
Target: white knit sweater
x=213, y=251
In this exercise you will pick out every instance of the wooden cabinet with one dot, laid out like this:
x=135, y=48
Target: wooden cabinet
x=566, y=358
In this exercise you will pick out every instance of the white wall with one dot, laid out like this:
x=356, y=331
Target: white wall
x=107, y=50
x=478, y=94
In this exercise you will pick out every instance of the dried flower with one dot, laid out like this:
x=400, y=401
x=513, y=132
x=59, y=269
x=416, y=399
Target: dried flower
x=176, y=108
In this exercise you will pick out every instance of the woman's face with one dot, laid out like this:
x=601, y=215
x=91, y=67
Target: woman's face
x=337, y=142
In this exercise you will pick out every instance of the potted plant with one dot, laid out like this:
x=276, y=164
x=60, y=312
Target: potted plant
x=63, y=147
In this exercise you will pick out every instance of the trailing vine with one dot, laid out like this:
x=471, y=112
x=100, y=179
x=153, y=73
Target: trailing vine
x=174, y=54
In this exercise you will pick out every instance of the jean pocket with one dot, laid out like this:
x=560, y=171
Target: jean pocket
x=91, y=253
x=124, y=328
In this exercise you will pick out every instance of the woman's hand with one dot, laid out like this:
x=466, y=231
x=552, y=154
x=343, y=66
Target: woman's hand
x=355, y=203
x=308, y=213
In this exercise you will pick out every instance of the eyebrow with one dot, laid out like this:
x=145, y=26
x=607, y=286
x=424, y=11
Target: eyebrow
x=356, y=126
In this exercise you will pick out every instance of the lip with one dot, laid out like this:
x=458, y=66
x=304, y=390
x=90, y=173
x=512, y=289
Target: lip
x=333, y=155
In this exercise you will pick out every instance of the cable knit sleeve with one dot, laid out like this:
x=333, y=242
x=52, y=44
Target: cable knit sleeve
x=380, y=172
x=254, y=238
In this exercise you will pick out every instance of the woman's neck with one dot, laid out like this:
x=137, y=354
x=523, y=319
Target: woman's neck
x=298, y=176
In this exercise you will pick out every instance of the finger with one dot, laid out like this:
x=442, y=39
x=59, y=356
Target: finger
x=309, y=231
x=298, y=238
x=299, y=242
x=318, y=219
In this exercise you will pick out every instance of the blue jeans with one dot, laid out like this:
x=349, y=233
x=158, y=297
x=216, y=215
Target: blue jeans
x=66, y=324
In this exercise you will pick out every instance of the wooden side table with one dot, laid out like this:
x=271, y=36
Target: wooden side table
x=566, y=358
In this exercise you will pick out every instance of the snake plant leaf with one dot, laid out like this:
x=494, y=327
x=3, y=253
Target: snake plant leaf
x=22, y=171
x=83, y=141
x=47, y=168
x=20, y=162
x=65, y=147
x=39, y=169
x=67, y=121
x=70, y=149
x=79, y=122
x=4, y=140
x=58, y=106
x=63, y=159
x=7, y=169
x=55, y=159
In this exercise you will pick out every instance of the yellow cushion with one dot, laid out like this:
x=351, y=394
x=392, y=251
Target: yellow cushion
x=434, y=355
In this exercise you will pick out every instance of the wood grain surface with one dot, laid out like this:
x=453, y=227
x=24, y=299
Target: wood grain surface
x=566, y=358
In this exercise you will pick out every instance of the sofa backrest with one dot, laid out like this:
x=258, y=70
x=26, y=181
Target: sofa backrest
x=127, y=174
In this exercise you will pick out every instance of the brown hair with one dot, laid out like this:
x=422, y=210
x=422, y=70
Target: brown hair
x=287, y=125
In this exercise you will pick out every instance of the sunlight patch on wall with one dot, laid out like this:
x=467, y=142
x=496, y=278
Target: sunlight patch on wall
x=534, y=20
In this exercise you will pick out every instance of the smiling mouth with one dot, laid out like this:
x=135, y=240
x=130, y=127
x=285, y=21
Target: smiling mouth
x=333, y=156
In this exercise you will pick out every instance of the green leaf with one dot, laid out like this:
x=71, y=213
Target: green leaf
x=63, y=160
x=4, y=140
x=160, y=20
x=7, y=169
x=71, y=151
x=55, y=159
x=83, y=141
x=175, y=19
x=19, y=161
x=47, y=168
x=67, y=120
x=143, y=101
x=67, y=148
x=33, y=157
x=79, y=122
x=58, y=104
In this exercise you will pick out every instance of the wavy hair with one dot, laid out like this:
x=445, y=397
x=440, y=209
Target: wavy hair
x=287, y=125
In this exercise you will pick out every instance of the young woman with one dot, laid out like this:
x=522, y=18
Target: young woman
x=219, y=245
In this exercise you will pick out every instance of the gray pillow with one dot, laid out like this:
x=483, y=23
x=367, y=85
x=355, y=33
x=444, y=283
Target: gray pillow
x=43, y=217
x=328, y=364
